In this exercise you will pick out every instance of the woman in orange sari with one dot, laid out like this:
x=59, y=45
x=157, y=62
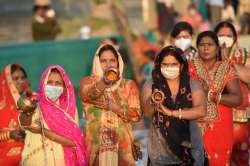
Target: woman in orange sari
x=230, y=50
x=218, y=79
x=13, y=80
x=110, y=105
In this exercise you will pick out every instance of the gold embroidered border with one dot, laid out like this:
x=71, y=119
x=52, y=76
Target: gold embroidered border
x=219, y=84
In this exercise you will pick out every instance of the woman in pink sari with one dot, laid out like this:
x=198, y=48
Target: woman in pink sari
x=54, y=136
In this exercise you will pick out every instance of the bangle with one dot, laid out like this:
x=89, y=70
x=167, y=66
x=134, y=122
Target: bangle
x=8, y=135
x=5, y=136
x=180, y=116
x=1, y=136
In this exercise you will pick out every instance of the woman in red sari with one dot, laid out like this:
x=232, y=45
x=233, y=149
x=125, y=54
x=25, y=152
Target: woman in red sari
x=230, y=50
x=218, y=79
x=13, y=80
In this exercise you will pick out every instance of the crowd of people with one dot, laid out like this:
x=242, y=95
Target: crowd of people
x=196, y=101
x=201, y=15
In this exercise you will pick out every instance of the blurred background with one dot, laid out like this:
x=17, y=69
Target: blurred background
x=16, y=18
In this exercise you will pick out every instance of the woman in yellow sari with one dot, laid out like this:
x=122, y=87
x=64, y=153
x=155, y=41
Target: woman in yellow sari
x=54, y=138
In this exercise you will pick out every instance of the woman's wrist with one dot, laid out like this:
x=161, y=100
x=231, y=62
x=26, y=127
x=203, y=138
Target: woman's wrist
x=177, y=113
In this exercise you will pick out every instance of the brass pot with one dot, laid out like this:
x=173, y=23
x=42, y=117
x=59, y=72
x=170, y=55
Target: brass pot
x=26, y=104
x=112, y=74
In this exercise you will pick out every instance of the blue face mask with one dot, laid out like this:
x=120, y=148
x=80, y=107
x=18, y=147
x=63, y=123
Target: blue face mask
x=53, y=92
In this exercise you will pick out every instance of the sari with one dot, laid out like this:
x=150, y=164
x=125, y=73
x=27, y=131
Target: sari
x=61, y=118
x=108, y=136
x=240, y=155
x=10, y=150
x=218, y=122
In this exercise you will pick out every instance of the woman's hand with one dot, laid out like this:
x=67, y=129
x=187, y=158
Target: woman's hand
x=224, y=52
x=17, y=135
x=165, y=110
x=114, y=105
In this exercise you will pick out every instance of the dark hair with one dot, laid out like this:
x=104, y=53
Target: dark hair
x=54, y=70
x=44, y=7
x=15, y=67
x=228, y=25
x=114, y=40
x=210, y=34
x=169, y=51
x=181, y=26
x=108, y=47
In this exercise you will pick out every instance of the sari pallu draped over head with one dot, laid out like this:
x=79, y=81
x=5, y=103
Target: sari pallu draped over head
x=99, y=73
x=8, y=98
x=60, y=118
x=108, y=148
x=175, y=131
x=10, y=151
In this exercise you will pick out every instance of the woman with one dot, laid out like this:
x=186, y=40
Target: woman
x=218, y=79
x=54, y=137
x=184, y=100
x=230, y=50
x=110, y=107
x=13, y=80
x=181, y=37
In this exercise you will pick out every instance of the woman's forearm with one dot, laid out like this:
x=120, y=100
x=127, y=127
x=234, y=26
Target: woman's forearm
x=92, y=91
x=190, y=113
x=147, y=108
x=231, y=100
x=57, y=138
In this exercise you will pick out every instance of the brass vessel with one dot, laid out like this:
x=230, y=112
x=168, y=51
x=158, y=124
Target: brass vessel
x=112, y=74
x=26, y=105
x=158, y=96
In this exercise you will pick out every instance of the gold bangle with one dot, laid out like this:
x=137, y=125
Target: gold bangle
x=180, y=116
x=8, y=135
x=1, y=136
x=5, y=136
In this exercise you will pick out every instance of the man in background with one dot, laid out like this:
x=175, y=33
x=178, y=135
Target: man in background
x=44, y=21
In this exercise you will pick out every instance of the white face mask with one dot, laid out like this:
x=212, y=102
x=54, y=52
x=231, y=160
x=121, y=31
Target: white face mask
x=170, y=72
x=53, y=92
x=183, y=43
x=227, y=40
